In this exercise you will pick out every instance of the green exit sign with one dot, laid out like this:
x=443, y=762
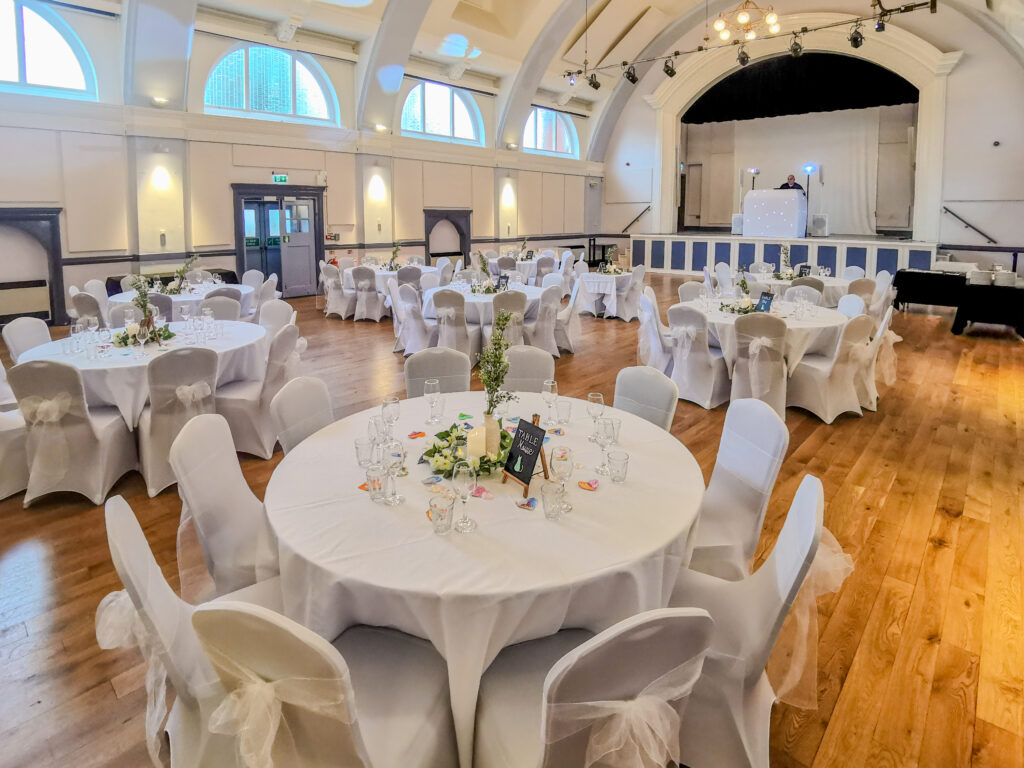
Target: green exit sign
x=279, y=178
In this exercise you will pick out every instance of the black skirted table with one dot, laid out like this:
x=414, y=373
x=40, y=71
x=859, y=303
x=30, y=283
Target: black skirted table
x=919, y=286
x=999, y=304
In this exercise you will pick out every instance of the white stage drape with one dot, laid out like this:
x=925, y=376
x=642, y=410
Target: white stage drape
x=844, y=143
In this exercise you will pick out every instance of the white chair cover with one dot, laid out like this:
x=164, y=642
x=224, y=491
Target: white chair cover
x=226, y=290
x=796, y=292
x=647, y=393
x=122, y=315
x=699, y=371
x=627, y=299
x=197, y=276
x=453, y=331
x=883, y=296
x=552, y=279
x=760, y=367
x=750, y=455
x=266, y=292
x=24, y=333
x=346, y=262
x=253, y=278
x=853, y=273
x=52, y=402
x=823, y=384
x=689, y=291
x=128, y=283
x=409, y=275
x=440, y=262
x=653, y=349
x=568, y=329
x=397, y=312
x=275, y=315
x=528, y=369
x=237, y=543
x=339, y=301
x=723, y=273
x=302, y=407
x=565, y=270
x=417, y=333
x=851, y=305
x=13, y=456
x=459, y=265
x=755, y=289
x=881, y=357
x=98, y=289
x=707, y=281
x=545, y=265
x=814, y=282
x=181, y=385
x=223, y=307
x=541, y=331
x=515, y=303
x=863, y=287
x=580, y=268
x=369, y=303
x=449, y=366
x=7, y=400
x=85, y=305
x=430, y=280
x=447, y=271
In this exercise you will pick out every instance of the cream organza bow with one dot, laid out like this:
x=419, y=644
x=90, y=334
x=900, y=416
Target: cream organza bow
x=683, y=337
x=637, y=733
x=252, y=712
x=365, y=285
x=118, y=625
x=760, y=376
x=191, y=394
x=51, y=457
x=887, y=357
x=446, y=321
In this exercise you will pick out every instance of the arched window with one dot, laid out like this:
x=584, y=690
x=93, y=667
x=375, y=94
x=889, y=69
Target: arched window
x=550, y=132
x=439, y=112
x=40, y=54
x=268, y=83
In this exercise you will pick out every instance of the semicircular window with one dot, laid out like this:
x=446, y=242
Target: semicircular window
x=549, y=132
x=442, y=113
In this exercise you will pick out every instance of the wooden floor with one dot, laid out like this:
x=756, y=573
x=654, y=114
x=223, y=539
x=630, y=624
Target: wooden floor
x=921, y=656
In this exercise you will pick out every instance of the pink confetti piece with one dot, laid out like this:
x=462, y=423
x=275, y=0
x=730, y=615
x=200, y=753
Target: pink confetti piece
x=530, y=503
x=482, y=493
x=588, y=485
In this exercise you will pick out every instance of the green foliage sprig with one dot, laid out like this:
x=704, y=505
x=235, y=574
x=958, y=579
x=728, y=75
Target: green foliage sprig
x=493, y=366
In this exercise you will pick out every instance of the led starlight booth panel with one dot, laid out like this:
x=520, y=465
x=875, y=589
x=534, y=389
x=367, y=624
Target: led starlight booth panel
x=774, y=213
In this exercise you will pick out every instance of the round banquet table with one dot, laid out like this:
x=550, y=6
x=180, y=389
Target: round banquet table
x=526, y=267
x=480, y=306
x=598, y=292
x=194, y=298
x=121, y=379
x=519, y=576
x=817, y=331
x=382, y=277
x=835, y=288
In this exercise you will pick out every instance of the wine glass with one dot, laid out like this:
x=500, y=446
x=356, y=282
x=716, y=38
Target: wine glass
x=92, y=324
x=389, y=410
x=394, y=460
x=376, y=429
x=432, y=392
x=464, y=483
x=604, y=437
x=549, y=393
x=595, y=407
x=561, y=465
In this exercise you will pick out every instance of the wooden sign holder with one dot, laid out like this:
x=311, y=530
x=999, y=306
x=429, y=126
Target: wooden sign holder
x=543, y=462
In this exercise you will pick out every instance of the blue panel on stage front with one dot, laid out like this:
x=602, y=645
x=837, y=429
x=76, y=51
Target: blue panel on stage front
x=920, y=260
x=888, y=259
x=657, y=254
x=679, y=254
x=856, y=257
x=700, y=256
x=639, y=252
x=746, y=256
x=773, y=254
x=797, y=254
x=722, y=253
x=827, y=257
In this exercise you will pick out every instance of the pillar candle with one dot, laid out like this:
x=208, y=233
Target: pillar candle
x=476, y=442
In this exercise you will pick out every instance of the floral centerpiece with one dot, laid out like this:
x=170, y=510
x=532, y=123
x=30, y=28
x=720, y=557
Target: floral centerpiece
x=786, y=269
x=391, y=265
x=486, y=287
x=742, y=306
x=610, y=268
x=477, y=261
x=448, y=448
x=130, y=335
x=178, y=283
x=522, y=251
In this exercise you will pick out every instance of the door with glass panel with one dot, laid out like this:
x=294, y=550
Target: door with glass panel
x=298, y=252
x=262, y=230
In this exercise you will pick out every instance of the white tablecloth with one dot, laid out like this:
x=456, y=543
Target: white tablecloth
x=526, y=268
x=835, y=288
x=382, y=278
x=519, y=576
x=480, y=306
x=193, y=299
x=120, y=379
x=598, y=291
x=818, y=331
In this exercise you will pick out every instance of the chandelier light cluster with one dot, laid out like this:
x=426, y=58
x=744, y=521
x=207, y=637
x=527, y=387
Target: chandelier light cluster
x=747, y=21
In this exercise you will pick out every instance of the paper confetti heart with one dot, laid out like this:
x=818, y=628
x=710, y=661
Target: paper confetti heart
x=482, y=493
x=464, y=416
x=363, y=487
x=510, y=430
x=430, y=517
x=530, y=503
x=588, y=485
x=414, y=435
x=432, y=480
x=557, y=431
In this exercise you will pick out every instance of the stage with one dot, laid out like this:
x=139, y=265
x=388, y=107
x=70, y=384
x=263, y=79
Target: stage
x=690, y=253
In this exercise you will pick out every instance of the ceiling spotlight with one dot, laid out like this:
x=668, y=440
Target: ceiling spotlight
x=771, y=18
x=572, y=79
x=880, y=25
x=630, y=74
x=743, y=58
x=593, y=82
x=774, y=29
x=751, y=35
x=670, y=68
x=725, y=34
x=742, y=17
x=856, y=37
x=719, y=24
x=795, y=47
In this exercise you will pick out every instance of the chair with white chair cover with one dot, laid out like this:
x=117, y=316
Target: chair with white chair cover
x=653, y=298
x=253, y=278
x=851, y=305
x=469, y=276
x=727, y=720
x=803, y=292
x=416, y=259
x=552, y=279
x=541, y=331
x=302, y=407
x=440, y=261
x=226, y=290
x=452, y=329
x=852, y=273
x=163, y=304
x=246, y=404
x=449, y=366
x=883, y=296
x=340, y=302
x=24, y=333
x=750, y=454
x=513, y=302
x=580, y=268
x=369, y=261
x=337, y=701
x=490, y=254
x=98, y=289
x=545, y=265
x=568, y=328
x=823, y=383
x=627, y=299
x=690, y=291
x=528, y=369
x=429, y=280
x=446, y=273
x=417, y=333
x=8, y=402
x=86, y=306
x=409, y=275
x=547, y=252
x=761, y=270
x=370, y=304
x=128, y=283
x=238, y=545
x=760, y=367
x=274, y=316
x=397, y=313
x=459, y=265
x=568, y=699
x=653, y=347
x=755, y=289
x=863, y=287
x=699, y=371
x=13, y=454
x=346, y=262
x=70, y=447
x=816, y=283
x=647, y=393
x=72, y=290
x=197, y=276
x=181, y=385
x=267, y=292
x=723, y=273
x=564, y=268
x=223, y=307
x=879, y=355
x=122, y=315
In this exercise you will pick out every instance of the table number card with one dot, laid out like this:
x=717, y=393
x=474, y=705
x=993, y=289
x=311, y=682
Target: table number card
x=804, y=271
x=764, y=304
x=527, y=446
x=503, y=282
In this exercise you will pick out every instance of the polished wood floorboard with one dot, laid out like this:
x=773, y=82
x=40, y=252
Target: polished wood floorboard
x=921, y=655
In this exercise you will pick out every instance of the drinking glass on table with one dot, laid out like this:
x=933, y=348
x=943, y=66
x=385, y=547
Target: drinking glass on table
x=553, y=497
x=561, y=465
x=441, y=513
x=549, y=393
x=618, y=465
x=76, y=337
x=432, y=393
x=604, y=436
x=376, y=429
x=464, y=483
x=364, y=451
x=394, y=459
x=563, y=411
x=595, y=407
x=92, y=324
x=390, y=410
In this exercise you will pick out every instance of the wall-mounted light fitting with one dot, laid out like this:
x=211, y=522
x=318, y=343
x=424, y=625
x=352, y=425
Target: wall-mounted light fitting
x=380, y=128
x=159, y=101
x=511, y=145
x=160, y=179
x=377, y=191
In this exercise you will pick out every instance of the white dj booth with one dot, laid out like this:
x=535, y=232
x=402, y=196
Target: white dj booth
x=780, y=213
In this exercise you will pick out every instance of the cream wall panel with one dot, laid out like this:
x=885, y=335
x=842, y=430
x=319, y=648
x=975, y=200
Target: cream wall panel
x=278, y=158
x=95, y=191
x=554, y=203
x=210, y=199
x=408, y=199
x=31, y=166
x=341, y=190
x=573, y=217
x=447, y=186
x=530, y=203
x=629, y=185
x=483, y=201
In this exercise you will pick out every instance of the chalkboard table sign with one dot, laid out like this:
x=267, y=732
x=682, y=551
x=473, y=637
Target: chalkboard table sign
x=527, y=446
x=805, y=270
x=764, y=304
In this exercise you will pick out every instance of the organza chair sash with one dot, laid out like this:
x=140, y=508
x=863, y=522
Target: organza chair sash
x=191, y=395
x=252, y=712
x=118, y=625
x=514, y=330
x=760, y=364
x=51, y=457
x=887, y=357
x=683, y=338
x=446, y=317
x=643, y=731
x=364, y=290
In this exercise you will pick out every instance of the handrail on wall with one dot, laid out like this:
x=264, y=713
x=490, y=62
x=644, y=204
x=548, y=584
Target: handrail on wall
x=634, y=221
x=967, y=224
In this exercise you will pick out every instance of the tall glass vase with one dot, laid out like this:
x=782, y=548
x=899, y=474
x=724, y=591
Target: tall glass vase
x=492, y=433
